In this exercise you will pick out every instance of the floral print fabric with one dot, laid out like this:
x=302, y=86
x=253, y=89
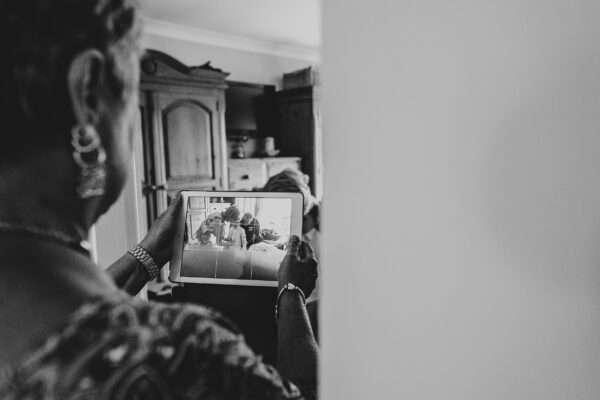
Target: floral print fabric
x=131, y=349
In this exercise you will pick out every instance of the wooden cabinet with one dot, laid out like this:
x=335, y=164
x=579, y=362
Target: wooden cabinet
x=252, y=173
x=183, y=113
x=190, y=135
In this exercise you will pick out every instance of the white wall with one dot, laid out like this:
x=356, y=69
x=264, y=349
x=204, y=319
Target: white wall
x=242, y=65
x=111, y=235
x=464, y=137
x=124, y=225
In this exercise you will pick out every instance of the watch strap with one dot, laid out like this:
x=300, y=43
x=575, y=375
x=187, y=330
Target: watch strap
x=144, y=258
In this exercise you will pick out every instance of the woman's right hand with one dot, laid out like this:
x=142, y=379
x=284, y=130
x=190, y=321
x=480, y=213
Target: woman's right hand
x=299, y=266
x=159, y=239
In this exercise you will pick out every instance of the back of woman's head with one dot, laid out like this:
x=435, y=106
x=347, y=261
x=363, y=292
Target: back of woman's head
x=39, y=40
x=292, y=181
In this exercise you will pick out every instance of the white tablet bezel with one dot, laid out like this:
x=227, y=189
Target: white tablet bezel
x=178, y=244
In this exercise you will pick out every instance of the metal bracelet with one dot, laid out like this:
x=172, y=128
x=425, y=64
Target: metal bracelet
x=288, y=287
x=144, y=258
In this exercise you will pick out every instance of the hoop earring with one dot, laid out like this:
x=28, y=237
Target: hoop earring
x=90, y=156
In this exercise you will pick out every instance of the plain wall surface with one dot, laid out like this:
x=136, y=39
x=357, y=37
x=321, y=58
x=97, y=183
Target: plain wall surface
x=243, y=66
x=462, y=200
x=111, y=234
x=124, y=224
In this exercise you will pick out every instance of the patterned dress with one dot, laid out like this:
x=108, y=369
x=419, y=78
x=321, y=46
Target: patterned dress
x=132, y=349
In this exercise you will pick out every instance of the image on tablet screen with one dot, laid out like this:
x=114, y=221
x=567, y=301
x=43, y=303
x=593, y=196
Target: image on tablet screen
x=235, y=237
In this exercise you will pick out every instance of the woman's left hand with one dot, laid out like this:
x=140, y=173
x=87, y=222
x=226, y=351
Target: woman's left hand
x=159, y=239
x=299, y=266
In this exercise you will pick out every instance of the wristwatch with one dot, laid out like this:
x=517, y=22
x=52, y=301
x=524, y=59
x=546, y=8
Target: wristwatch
x=285, y=288
x=144, y=258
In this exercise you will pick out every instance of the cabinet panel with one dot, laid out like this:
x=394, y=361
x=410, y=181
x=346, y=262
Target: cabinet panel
x=298, y=117
x=188, y=136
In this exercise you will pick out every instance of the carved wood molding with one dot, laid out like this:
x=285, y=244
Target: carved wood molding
x=158, y=67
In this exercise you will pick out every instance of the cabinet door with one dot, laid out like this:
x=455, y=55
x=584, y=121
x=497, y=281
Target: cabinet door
x=189, y=140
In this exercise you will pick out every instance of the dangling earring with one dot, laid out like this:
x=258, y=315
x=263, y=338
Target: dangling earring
x=90, y=156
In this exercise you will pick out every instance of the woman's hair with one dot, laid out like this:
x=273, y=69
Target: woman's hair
x=292, y=181
x=231, y=214
x=40, y=39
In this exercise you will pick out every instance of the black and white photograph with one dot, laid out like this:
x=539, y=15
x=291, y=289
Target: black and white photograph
x=300, y=200
x=230, y=238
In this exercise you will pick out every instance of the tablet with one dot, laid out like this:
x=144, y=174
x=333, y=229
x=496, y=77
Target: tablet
x=234, y=238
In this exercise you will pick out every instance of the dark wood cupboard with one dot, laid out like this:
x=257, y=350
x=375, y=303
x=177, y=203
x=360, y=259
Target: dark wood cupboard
x=299, y=133
x=183, y=125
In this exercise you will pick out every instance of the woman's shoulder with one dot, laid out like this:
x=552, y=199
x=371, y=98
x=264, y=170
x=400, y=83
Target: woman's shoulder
x=130, y=348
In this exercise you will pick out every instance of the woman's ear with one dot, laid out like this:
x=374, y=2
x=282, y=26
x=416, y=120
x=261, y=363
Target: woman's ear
x=85, y=81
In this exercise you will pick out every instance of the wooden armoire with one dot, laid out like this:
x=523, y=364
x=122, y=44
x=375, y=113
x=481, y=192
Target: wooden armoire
x=183, y=126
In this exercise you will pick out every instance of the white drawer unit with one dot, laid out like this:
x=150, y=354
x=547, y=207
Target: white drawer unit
x=276, y=165
x=247, y=174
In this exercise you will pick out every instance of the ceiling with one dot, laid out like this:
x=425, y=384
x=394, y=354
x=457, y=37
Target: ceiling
x=286, y=22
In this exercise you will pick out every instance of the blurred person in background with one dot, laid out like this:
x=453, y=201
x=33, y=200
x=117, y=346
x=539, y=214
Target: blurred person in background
x=293, y=181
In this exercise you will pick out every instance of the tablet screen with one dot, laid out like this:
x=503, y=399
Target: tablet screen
x=236, y=238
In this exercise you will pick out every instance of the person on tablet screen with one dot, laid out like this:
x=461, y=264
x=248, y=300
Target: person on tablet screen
x=235, y=235
x=251, y=226
x=214, y=225
x=205, y=238
x=236, y=238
